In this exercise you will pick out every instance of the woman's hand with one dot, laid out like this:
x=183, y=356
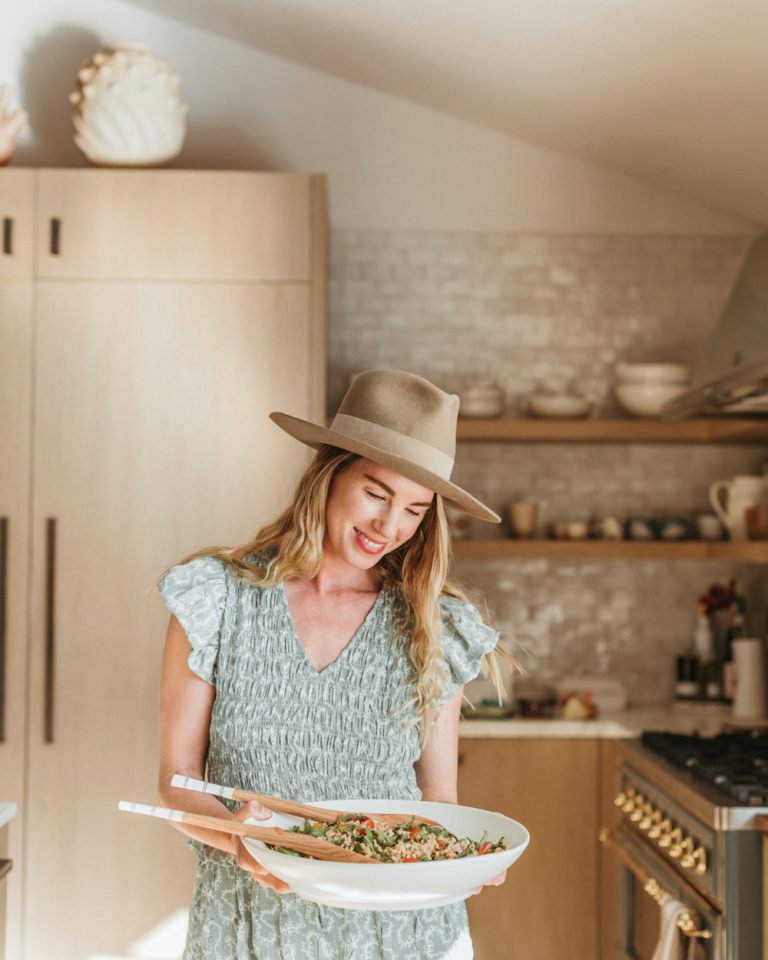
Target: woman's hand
x=244, y=858
x=496, y=882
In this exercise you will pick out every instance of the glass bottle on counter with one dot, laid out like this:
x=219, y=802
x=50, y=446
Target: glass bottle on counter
x=738, y=613
x=710, y=678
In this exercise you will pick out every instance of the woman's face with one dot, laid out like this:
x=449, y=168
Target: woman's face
x=372, y=510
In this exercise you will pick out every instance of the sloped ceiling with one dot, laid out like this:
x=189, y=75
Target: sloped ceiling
x=672, y=92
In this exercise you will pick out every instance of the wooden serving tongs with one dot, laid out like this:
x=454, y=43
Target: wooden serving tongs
x=300, y=842
x=290, y=807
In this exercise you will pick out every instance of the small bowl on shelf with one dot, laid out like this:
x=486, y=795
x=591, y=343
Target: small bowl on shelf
x=482, y=400
x=558, y=406
x=653, y=373
x=647, y=399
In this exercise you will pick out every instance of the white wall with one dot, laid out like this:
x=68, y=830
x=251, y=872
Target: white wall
x=392, y=165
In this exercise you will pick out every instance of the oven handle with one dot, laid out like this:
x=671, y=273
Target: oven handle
x=688, y=922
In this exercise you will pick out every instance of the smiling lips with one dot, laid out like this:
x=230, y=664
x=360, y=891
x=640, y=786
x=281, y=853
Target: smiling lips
x=368, y=545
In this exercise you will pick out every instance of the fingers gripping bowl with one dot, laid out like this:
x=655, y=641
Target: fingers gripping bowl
x=397, y=886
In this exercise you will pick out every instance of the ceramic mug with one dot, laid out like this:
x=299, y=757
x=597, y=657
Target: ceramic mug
x=522, y=518
x=731, y=499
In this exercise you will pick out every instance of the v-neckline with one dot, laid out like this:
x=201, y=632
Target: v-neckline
x=347, y=646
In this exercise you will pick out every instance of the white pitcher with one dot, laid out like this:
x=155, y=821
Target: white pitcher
x=731, y=499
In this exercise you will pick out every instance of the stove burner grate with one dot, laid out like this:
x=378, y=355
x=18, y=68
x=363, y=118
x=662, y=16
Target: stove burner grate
x=736, y=763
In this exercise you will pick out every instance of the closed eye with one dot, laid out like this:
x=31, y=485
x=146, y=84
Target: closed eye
x=376, y=496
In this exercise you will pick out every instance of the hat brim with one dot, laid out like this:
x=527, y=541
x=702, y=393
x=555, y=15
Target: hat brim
x=315, y=436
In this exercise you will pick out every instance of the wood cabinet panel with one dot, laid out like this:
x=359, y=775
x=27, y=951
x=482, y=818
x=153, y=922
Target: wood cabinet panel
x=16, y=330
x=547, y=908
x=17, y=223
x=176, y=225
x=610, y=865
x=151, y=438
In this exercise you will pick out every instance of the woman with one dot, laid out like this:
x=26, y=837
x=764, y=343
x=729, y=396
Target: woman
x=324, y=659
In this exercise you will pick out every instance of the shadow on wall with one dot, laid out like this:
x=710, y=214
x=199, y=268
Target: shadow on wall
x=47, y=77
x=49, y=74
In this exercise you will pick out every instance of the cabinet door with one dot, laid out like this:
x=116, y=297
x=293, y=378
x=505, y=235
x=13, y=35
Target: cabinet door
x=16, y=329
x=151, y=439
x=176, y=225
x=610, y=866
x=17, y=222
x=547, y=908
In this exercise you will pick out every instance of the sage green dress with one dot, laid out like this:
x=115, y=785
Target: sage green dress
x=279, y=726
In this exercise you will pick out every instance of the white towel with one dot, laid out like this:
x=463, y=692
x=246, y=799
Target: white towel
x=669, y=946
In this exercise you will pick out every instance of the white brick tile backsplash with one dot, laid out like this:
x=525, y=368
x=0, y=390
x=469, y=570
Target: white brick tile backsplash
x=558, y=311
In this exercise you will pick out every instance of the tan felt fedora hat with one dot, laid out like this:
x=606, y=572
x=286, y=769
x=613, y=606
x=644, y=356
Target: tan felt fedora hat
x=399, y=420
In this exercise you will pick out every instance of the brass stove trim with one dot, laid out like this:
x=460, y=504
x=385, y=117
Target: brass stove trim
x=689, y=922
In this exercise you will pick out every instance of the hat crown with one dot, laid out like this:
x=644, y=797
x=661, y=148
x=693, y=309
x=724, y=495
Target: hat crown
x=406, y=404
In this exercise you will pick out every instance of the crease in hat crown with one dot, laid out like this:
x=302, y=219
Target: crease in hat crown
x=400, y=420
x=403, y=413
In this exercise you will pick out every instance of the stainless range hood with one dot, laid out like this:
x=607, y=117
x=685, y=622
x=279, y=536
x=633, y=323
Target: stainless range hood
x=731, y=377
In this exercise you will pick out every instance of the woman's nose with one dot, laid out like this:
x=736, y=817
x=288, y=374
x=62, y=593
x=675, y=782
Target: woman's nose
x=387, y=524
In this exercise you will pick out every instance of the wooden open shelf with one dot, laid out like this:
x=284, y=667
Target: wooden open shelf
x=752, y=551
x=615, y=431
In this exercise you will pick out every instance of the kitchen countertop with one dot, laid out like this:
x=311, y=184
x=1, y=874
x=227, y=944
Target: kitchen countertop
x=677, y=718
x=7, y=812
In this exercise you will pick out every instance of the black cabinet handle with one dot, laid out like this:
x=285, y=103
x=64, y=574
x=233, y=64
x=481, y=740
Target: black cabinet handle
x=8, y=236
x=55, y=240
x=50, y=635
x=3, y=634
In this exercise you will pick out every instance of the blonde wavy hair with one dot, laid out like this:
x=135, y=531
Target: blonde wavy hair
x=419, y=567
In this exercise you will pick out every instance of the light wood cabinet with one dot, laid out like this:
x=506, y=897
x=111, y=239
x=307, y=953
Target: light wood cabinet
x=17, y=224
x=143, y=434
x=16, y=328
x=183, y=225
x=610, y=865
x=548, y=907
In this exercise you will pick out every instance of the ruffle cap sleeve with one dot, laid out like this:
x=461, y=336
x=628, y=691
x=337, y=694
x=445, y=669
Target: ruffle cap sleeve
x=195, y=592
x=466, y=640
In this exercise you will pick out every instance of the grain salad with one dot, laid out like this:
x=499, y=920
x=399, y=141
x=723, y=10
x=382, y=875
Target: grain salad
x=409, y=842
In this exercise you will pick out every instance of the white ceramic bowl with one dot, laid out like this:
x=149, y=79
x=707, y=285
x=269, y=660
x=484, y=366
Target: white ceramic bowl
x=480, y=407
x=647, y=399
x=397, y=886
x=561, y=406
x=650, y=373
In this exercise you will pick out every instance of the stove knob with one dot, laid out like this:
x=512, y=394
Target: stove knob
x=631, y=801
x=655, y=832
x=700, y=857
x=664, y=829
x=637, y=812
x=676, y=843
x=686, y=850
x=648, y=815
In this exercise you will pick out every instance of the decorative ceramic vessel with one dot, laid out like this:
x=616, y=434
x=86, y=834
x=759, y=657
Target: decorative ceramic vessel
x=12, y=122
x=128, y=109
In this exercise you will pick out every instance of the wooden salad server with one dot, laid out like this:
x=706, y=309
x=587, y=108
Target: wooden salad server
x=300, y=842
x=290, y=807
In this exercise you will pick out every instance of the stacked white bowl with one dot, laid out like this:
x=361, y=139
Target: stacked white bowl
x=643, y=389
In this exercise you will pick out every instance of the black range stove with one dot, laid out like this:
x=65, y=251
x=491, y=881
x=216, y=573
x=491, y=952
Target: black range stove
x=734, y=763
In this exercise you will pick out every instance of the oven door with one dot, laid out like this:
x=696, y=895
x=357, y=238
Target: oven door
x=647, y=882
